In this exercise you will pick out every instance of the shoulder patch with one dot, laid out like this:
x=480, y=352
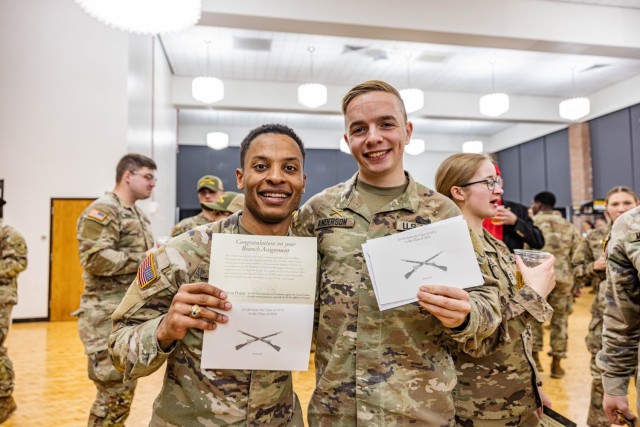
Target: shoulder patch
x=97, y=215
x=633, y=237
x=335, y=222
x=147, y=271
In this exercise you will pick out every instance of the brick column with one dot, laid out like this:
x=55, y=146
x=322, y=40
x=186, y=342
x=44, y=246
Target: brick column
x=580, y=163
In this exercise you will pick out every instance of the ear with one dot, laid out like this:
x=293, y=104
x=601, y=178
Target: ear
x=409, y=132
x=304, y=181
x=457, y=193
x=239, y=179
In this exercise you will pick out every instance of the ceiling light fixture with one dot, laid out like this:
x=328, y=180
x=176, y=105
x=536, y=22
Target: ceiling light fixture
x=207, y=89
x=312, y=95
x=413, y=98
x=217, y=140
x=145, y=17
x=575, y=107
x=496, y=103
x=415, y=147
x=474, y=146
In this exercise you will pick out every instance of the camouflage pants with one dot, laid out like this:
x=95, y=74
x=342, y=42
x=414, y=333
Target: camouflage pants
x=596, y=417
x=113, y=399
x=562, y=307
x=526, y=420
x=6, y=367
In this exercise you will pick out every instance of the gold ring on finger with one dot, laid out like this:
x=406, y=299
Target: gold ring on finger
x=196, y=311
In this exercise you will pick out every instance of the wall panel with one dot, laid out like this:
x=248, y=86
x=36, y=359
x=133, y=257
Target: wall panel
x=611, y=152
x=558, y=166
x=509, y=162
x=533, y=171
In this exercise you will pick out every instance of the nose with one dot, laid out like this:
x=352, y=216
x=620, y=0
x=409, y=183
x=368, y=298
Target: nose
x=374, y=136
x=275, y=175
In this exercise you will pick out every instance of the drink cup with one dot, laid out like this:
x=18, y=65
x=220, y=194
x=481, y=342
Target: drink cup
x=531, y=259
x=498, y=219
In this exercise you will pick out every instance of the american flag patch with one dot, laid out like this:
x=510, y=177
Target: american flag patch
x=147, y=272
x=96, y=214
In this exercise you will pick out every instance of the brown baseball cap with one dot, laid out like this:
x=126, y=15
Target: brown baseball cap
x=211, y=182
x=230, y=202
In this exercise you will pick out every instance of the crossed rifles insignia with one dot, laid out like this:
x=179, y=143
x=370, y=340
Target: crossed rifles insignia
x=419, y=264
x=255, y=338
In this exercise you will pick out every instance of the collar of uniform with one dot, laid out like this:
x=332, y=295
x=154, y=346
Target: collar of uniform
x=231, y=224
x=489, y=242
x=117, y=199
x=349, y=198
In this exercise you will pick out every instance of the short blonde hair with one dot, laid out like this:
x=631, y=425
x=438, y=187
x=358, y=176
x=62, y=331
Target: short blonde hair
x=372, y=86
x=620, y=189
x=457, y=170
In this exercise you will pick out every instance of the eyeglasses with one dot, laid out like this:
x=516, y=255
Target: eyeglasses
x=491, y=183
x=149, y=177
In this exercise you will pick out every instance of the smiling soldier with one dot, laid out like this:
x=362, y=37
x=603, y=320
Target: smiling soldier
x=162, y=317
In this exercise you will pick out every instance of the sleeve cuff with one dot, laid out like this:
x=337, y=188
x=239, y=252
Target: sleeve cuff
x=615, y=386
x=150, y=350
x=531, y=302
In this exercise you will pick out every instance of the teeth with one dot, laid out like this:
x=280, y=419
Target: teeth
x=376, y=154
x=277, y=195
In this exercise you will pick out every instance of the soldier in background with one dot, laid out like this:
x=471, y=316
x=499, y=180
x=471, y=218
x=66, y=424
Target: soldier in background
x=161, y=318
x=114, y=236
x=383, y=367
x=562, y=241
x=209, y=190
x=590, y=266
x=227, y=204
x=13, y=260
x=618, y=359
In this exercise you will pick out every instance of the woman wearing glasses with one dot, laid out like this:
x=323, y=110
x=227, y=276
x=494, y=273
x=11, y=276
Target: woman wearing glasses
x=590, y=266
x=501, y=388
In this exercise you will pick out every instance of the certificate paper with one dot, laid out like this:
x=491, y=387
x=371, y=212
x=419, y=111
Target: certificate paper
x=270, y=281
x=436, y=254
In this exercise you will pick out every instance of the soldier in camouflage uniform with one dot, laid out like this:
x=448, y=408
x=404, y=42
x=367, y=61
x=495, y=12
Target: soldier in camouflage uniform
x=393, y=367
x=160, y=318
x=509, y=372
x=562, y=240
x=618, y=359
x=209, y=190
x=114, y=236
x=590, y=266
x=224, y=205
x=13, y=260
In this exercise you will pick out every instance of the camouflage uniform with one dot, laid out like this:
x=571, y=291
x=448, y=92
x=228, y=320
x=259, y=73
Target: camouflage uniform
x=618, y=359
x=510, y=371
x=13, y=260
x=112, y=240
x=189, y=223
x=381, y=368
x=562, y=240
x=590, y=250
x=191, y=397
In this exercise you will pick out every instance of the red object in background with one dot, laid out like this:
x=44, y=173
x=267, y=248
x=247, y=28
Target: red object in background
x=495, y=230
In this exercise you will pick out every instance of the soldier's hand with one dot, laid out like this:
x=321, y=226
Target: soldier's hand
x=541, y=278
x=600, y=264
x=181, y=317
x=450, y=305
x=545, y=401
x=615, y=406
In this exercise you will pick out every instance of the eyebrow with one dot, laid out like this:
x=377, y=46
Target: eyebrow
x=265, y=158
x=377, y=119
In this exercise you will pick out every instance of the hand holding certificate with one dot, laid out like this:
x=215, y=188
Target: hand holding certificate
x=436, y=254
x=270, y=280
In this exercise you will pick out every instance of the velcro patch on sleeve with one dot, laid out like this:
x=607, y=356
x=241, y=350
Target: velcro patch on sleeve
x=633, y=237
x=98, y=215
x=147, y=271
x=335, y=222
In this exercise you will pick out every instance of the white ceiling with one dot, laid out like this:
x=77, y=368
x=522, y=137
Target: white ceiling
x=244, y=51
